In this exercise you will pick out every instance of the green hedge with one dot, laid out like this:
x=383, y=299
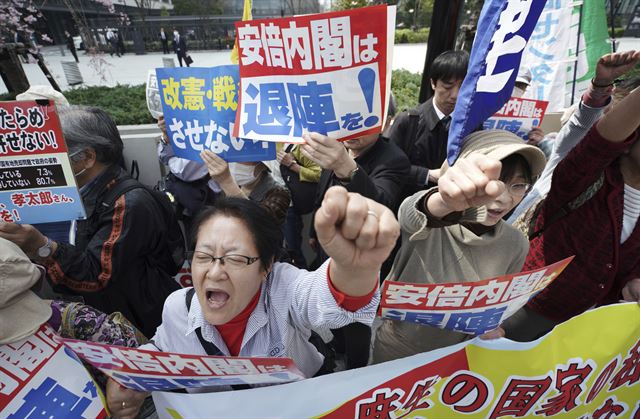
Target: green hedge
x=406, y=88
x=409, y=36
x=126, y=104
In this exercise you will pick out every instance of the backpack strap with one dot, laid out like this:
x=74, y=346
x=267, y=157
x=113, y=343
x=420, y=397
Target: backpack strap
x=208, y=347
x=116, y=191
x=567, y=208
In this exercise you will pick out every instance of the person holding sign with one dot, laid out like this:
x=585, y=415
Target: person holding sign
x=249, y=180
x=246, y=304
x=121, y=258
x=454, y=232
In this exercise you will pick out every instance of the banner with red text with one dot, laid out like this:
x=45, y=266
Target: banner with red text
x=40, y=378
x=328, y=73
x=518, y=116
x=144, y=370
x=467, y=307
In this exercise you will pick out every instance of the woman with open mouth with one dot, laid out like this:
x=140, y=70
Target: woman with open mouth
x=243, y=303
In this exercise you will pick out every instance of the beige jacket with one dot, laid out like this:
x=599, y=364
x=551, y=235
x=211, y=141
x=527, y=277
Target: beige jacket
x=442, y=255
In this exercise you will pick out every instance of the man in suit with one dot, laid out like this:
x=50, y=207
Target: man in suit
x=374, y=168
x=422, y=133
x=180, y=47
x=164, y=39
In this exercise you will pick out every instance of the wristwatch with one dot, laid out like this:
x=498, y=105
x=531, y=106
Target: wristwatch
x=46, y=250
x=350, y=178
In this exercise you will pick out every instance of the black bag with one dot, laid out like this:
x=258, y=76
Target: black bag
x=303, y=194
x=188, y=59
x=175, y=237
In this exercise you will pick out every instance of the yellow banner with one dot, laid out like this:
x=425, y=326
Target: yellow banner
x=246, y=15
x=587, y=367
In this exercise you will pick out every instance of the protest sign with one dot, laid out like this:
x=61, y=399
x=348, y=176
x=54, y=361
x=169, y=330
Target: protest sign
x=199, y=106
x=151, y=371
x=327, y=73
x=583, y=367
x=518, y=116
x=37, y=184
x=467, y=307
x=154, y=102
x=551, y=51
x=504, y=28
x=40, y=378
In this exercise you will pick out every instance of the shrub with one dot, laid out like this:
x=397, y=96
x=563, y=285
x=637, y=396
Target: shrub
x=406, y=88
x=126, y=104
x=410, y=36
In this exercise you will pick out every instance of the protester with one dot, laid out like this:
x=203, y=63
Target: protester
x=372, y=167
x=119, y=258
x=245, y=304
x=251, y=180
x=590, y=108
x=180, y=47
x=71, y=46
x=604, y=168
x=301, y=175
x=22, y=312
x=454, y=232
x=423, y=132
x=188, y=181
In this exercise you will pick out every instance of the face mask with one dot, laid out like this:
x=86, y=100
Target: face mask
x=175, y=34
x=517, y=92
x=70, y=158
x=242, y=173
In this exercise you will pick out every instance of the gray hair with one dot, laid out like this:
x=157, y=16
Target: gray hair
x=90, y=127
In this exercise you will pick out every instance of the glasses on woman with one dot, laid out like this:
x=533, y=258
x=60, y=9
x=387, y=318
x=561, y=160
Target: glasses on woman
x=231, y=261
x=518, y=189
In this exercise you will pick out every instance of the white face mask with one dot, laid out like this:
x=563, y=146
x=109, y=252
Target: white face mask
x=243, y=174
x=175, y=33
x=517, y=92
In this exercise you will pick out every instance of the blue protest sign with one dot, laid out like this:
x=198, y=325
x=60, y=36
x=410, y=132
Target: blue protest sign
x=503, y=31
x=199, y=106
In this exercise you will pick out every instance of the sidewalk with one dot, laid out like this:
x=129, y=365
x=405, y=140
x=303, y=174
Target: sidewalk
x=132, y=69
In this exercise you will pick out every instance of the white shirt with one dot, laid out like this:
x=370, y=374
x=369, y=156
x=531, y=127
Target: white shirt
x=438, y=111
x=292, y=303
x=631, y=212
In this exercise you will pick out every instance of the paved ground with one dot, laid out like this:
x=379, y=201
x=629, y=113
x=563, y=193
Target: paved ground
x=132, y=69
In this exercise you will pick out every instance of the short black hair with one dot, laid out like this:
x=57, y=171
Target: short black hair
x=449, y=66
x=510, y=166
x=266, y=233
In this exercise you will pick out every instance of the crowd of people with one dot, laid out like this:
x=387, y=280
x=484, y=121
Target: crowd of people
x=386, y=207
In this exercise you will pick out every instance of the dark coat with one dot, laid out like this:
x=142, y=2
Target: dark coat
x=428, y=147
x=120, y=261
x=180, y=47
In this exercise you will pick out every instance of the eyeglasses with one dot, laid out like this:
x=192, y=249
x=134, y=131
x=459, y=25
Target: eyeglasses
x=518, y=189
x=198, y=258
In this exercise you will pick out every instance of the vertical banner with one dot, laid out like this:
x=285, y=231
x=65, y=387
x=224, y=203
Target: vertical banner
x=37, y=184
x=40, y=378
x=325, y=73
x=199, y=106
x=504, y=28
x=551, y=51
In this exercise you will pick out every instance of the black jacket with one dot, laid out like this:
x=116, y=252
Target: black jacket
x=428, y=147
x=120, y=261
x=179, y=47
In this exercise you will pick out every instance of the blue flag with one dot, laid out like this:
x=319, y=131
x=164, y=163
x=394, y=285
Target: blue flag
x=503, y=31
x=199, y=106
